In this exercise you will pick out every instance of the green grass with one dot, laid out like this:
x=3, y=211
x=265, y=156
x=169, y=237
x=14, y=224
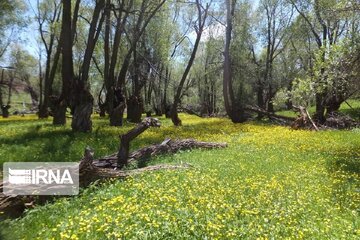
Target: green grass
x=271, y=182
x=353, y=110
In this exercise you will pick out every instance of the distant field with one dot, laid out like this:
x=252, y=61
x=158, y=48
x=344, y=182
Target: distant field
x=271, y=182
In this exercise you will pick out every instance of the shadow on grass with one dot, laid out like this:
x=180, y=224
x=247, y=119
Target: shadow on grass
x=18, y=121
x=353, y=113
x=348, y=161
x=344, y=169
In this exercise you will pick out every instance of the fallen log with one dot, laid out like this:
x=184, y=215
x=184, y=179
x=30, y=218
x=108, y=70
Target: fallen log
x=190, y=111
x=14, y=206
x=125, y=139
x=304, y=120
x=283, y=119
x=167, y=146
x=91, y=170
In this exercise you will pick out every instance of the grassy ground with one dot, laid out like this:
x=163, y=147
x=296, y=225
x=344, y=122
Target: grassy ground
x=352, y=109
x=271, y=182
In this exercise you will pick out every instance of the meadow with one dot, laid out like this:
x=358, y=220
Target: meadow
x=271, y=182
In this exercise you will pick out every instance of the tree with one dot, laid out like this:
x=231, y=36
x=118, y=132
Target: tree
x=25, y=69
x=81, y=99
x=278, y=19
x=117, y=104
x=202, y=14
x=48, y=17
x=234, y=108
x=67, y=69
x=11, y=18
x=326, y=28
x=10, y=75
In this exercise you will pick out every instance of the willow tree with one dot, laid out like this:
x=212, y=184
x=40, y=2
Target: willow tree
x=48, y=16
x=67, y=70
x=144, y=14
x=81, y=98
x=202, y=14
x=326, y=25
x=234, y=108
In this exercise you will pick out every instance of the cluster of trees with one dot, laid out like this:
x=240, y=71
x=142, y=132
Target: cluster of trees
x=203, y=56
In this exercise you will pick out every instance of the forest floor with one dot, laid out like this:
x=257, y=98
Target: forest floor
x=270, y=182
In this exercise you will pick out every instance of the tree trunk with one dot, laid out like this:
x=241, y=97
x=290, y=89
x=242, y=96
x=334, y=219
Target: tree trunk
x=146, y=153
x=59, y=113
x=202, y=15
x=117, y=115
x=260, y=98
x=319, y=115
x=123, y=154
x=234, y=108
x=81, y=121
x=333, y=104
x=116, y=107
x=82, y=100
x=102, y=108
x=134, y=109
x=67, y=70
x=101, y=169
x=5, y=111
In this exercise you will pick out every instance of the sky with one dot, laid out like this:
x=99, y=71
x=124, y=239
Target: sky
x=30, y=34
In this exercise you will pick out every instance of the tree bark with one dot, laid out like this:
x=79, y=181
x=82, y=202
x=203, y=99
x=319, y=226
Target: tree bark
x=167, y=146
x=67, y=70
x=82, y=100
x=81, y=121
x=123, y=154
x=134, y=109
x=233, y=108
